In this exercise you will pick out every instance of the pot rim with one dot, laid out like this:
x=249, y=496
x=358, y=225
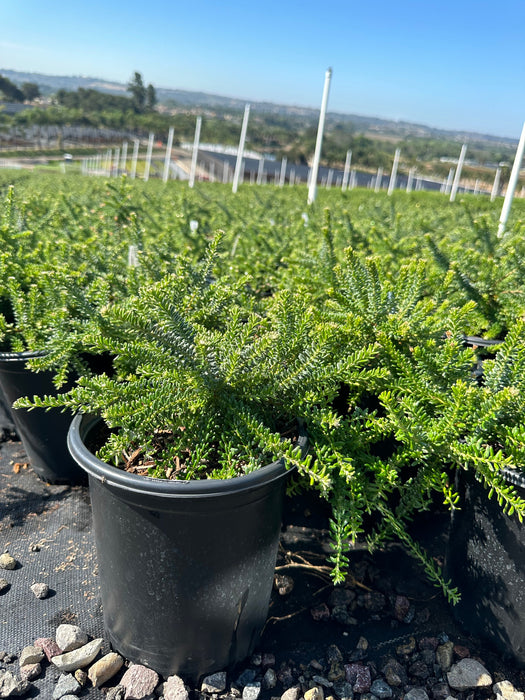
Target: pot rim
x=21, y=356
x=136, y=483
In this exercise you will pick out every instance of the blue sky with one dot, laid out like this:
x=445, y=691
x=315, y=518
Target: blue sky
x=457, y=64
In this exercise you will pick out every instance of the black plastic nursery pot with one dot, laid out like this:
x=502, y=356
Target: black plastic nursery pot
x=486, y=561
x=185, y=567
x=43, y=433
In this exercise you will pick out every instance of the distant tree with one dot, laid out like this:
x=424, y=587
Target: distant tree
x=31, y=91
x=10, y=91
x=151, y=97
x=138, y=92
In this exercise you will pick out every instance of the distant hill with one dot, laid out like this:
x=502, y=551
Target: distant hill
x=49, y=84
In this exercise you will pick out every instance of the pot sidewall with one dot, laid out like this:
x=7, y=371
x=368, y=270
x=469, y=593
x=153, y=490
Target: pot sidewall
x=186, y=569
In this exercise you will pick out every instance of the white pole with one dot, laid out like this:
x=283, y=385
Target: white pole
x=495, y=185
x=410, y=180
x=353, y=179
x=196, y=140
x=329, y=179
x=225, y=169
x=124, y=156
x=240, y=150
x=282, y=176
x=148, y=156
x=379, y=179
x=393, y=176
x=476, y=187
x=346, y=172
x=260, y=171
x=450, y=178
x=292, y=176
x=511, y=187
x=116, y=162
x=167, y=157
x=457, y=176
x=133, y=173
x=312, y=189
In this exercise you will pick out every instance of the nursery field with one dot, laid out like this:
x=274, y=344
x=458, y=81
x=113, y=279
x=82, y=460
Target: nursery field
x=209, y=332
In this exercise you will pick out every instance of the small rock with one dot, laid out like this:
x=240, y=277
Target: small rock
x=340, y=614
x=30, y=655
x=7, y=561
x=174, y=689
x=67, y=685
x=139, y=682
x=440, y=691
x=286, y=677
x=69, y=696
x=431, y=643
x=251, y=691
x=268, y=660
x=362, y=643
x=49, y=646
x=461, y=651
x=314, y=693
x=105, y=668
x=416, y=694
x=341, y=596
x=343, y=690
x=504, y=690
x=419, y=669
x=41, y=590
x=293, y=693
x=9, y=685
x=269, y=679
x=30, y=671
x=316, y=665
x=116, y=693
x=247, y=676
x=374, y=601
x=401, y=607
x=284, y=584
x=407, y=648
x=81, y=676
x=70, y=637
x=381, y=689
x=78, y=658
x=468, y=673
x=320, y=612
x=395, y=674
x=444, y=655
x=321, y=680
x=215, y=683
x=359, y=676
x=256, y=659
x=4, y=585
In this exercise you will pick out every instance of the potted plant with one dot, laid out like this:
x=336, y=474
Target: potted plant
x=187, y=448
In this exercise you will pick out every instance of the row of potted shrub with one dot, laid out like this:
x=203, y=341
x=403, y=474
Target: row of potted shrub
x=210, y=396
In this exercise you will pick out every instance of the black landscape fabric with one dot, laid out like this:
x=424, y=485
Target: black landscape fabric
x=48, y=530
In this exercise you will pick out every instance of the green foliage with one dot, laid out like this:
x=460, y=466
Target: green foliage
x=351, y=319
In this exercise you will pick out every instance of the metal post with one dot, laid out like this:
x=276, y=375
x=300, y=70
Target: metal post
x=379, y=179
x=282, y=176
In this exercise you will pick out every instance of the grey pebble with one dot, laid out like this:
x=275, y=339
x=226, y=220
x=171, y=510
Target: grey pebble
x=41, y=590
x=214, y=683
x=67, y=685
x=416, y=694
x=4, y=585
x=381, y=689
x=70, y=637
x=251, y=691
